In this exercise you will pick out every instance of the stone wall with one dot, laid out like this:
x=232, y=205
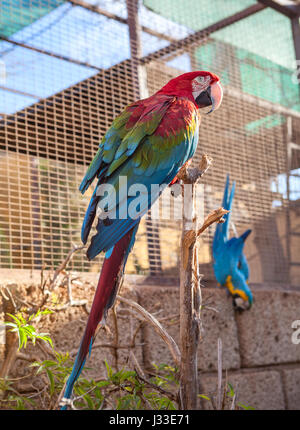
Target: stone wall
x=259, y=358
x=263, y=365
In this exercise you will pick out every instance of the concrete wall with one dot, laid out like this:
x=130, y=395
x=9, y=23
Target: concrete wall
x=262, y=362
x=263, y=365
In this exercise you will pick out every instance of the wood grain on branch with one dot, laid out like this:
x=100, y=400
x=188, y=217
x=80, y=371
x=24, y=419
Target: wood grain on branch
x=191, y=175
x=190, y=291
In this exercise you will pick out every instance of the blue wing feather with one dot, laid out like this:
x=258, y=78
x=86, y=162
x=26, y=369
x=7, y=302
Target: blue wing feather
x=222, y=230
x=230, y=263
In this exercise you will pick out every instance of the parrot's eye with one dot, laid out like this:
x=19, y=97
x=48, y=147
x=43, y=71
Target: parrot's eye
x=203, y=80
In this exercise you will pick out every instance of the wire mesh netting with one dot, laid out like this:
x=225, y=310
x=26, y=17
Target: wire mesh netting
x=68, y=68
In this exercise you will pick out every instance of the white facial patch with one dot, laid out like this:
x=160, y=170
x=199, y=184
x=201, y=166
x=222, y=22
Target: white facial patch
x=240, y=303
x=200, y=84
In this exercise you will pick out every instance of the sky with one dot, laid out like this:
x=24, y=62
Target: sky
x=76, y=33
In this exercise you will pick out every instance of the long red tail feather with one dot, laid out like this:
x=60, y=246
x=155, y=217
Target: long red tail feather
x=111, y=273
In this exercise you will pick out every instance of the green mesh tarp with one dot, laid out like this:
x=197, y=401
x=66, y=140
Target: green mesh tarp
x=258, y=76
x=197, y=14
x=261, y=45
x=17, y=14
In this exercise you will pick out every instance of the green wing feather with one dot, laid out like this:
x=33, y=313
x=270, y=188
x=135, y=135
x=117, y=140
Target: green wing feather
x=107, y=148
x=124, y=136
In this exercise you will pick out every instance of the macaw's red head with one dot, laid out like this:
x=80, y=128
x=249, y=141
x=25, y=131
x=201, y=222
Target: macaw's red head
x=202, y=88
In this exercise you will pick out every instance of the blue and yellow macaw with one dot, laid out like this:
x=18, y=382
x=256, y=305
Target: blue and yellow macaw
x=230, y=264
x=147, y=144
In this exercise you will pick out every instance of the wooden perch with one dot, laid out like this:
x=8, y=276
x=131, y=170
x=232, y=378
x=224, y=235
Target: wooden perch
x=189, y=175
x=190, y=292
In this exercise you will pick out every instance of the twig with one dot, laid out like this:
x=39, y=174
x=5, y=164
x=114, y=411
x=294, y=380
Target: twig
x=133, y=343
x=58, y=401
x=103, y=345
x=38, y=393
x=219, y=397
x=71, y=301
x=25, y=357
x=45, y=348
x=64, y=264
x=116, y=337
x=232, y=407
x=9, y=298
x=156, y=387
x=157, y=327
x=233, y=404
x=136, y=364
x=190, y=236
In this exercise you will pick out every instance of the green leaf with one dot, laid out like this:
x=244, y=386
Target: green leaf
x=203, y=396
x=14, y=318
x=49, y=363
x=46, y=338
x=245, y=407
x=231, y=390
x=29, y=328
x=108, y=369
x=103, y=384
x=22, y=339
x=51, y=380
x=89, y=401
x=20, y=405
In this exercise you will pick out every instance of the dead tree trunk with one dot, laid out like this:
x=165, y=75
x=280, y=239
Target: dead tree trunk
x=190, y=300
x=11, y=339
x=190, y=292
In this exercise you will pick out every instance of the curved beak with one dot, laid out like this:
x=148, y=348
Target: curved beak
x=212, y=96
x=216, y=95
x=240, y=304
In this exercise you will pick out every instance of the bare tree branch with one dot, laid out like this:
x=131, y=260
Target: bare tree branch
x=157, y=327
x=64, y=264
x=219, y=397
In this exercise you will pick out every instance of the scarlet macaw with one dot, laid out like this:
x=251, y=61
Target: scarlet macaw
x=147, y=144
x=230, y=264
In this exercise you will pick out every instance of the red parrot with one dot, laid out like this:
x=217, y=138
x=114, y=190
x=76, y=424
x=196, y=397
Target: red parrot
x=146, y=144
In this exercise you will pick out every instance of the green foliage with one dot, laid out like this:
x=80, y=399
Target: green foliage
x=169, y=373
x=26, y=331
x=13, y=399
x=228, y=396
x=56, y=371
x=230, y=393
x=137, y=393
x=123, y=389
